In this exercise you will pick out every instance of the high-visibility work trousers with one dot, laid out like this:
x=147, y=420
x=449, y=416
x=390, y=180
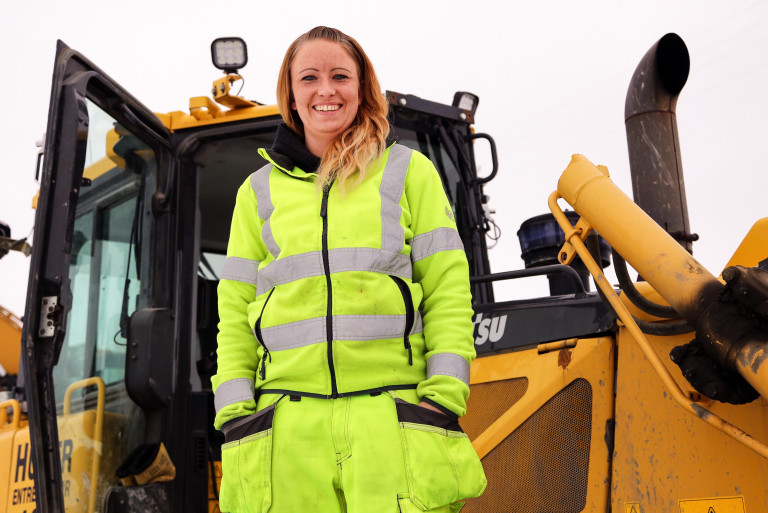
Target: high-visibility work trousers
x=359, y=454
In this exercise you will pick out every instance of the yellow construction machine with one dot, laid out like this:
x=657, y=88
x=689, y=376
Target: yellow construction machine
x=652, y=400
x=10, y=324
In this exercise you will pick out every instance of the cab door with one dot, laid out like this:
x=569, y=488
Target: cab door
x=100, y=213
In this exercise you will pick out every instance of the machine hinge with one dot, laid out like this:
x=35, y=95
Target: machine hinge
x=556, y=346
x=47, y=312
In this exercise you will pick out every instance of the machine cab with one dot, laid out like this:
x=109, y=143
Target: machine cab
x=131, y=230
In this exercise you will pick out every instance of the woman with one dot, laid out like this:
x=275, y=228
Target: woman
x=345, y=304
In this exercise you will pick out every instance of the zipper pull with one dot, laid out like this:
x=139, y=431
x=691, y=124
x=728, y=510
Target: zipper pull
x=257, y=334
x=263, y=370
x=407, y=343
x=324, y=202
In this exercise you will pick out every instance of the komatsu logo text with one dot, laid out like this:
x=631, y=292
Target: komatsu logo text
x=490, y=328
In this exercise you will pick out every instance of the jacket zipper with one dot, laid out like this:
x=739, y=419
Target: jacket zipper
x=327, y=270
x=257, y=334
x=409, y=314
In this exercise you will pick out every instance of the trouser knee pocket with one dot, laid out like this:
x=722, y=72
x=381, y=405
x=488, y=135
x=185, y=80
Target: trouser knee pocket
x=246, y=459
x=442, y=467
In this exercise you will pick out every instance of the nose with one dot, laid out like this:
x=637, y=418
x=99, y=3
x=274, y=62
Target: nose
x=326, y=88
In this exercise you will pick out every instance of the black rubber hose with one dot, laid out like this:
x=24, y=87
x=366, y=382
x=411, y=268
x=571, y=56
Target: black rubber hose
x=637, y=299
x=650, y=328
x=663, y=330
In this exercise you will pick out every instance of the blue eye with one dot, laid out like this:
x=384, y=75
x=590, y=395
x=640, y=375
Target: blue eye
x=308, y=78
x=339, y=76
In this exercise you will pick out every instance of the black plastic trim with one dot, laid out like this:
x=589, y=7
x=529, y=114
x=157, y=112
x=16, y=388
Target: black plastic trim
x=368, y=391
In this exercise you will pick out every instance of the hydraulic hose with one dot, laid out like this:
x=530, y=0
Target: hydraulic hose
x=637, y=299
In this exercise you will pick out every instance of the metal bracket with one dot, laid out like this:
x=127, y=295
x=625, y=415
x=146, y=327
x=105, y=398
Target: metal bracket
x=47, y=327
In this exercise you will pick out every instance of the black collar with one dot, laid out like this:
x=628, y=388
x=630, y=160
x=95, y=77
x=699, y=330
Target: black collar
x=288, y=151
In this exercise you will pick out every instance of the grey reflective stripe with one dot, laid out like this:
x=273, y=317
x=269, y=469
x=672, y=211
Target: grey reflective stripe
x=288, y=269
x=439, y=239
x=370, y=259
x=391, y=189
x=240, y=269
x=345, y=327
x=448, y=364
x=309, y=264
x=260, y=185
x=233, y=391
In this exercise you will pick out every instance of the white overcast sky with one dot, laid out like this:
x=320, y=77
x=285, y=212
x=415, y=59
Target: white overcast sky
x=551, y=77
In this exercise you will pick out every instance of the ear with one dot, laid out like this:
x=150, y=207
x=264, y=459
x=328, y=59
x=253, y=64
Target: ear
x=293, y=106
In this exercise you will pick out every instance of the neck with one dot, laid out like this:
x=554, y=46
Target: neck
x=317, y=146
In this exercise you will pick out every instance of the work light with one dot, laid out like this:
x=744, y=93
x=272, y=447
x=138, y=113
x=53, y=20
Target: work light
x=466, y=101
x=229, y=54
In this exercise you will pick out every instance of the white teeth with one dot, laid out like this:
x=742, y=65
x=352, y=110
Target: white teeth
x=326, y=108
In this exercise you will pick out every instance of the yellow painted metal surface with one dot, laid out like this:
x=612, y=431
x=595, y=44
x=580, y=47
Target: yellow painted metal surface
x=113, y=137
x=222, y=93
x=213, y=501
x=637, y=237
x=88, y=466
x=754, y=248
x=10, y=341
x=548, y=373
x=713, y=505
x=663, y=454
x=687, y=400
x=21, y=486
x=84, y=431
x=9, y=426
x=672, y=271
x=204, y=112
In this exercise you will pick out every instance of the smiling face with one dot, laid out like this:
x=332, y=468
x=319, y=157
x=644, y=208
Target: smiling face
x=325, y=84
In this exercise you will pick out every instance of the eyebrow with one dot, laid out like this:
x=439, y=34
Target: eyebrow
x=317, y=70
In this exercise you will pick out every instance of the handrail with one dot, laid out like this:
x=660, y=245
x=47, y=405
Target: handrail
x=543, y=270
x=15, y=419
x=97, y=432
x=494, y=158
x=573, y=237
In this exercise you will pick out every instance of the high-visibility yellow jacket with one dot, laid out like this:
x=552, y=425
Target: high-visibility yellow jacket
x=330, y=294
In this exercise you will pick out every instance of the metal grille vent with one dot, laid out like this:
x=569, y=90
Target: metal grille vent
x=487, y=401
x=543, y=466
x=201, y=454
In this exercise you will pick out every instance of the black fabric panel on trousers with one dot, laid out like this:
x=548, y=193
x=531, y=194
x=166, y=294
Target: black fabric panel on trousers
x=260, y=421
x=407, y=412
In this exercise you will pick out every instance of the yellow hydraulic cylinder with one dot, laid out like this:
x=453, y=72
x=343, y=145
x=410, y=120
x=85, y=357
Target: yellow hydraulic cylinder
x=721, y=328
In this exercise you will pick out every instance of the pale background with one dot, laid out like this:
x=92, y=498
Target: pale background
x=551, y=77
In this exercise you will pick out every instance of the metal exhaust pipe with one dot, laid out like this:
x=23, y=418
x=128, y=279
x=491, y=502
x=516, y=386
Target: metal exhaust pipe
x=654, y=148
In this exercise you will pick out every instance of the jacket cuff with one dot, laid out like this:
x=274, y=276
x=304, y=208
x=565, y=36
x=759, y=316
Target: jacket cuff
x=234, y=412
x=446, y=393
x=228, y=425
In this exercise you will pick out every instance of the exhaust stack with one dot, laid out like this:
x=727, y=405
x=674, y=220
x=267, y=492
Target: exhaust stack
x=654, y=148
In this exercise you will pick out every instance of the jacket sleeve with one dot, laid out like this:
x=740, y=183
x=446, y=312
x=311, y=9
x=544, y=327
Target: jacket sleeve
x=440, y=267
x=237, y=353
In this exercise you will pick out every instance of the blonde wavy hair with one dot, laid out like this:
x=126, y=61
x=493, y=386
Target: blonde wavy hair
x=348, y=159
